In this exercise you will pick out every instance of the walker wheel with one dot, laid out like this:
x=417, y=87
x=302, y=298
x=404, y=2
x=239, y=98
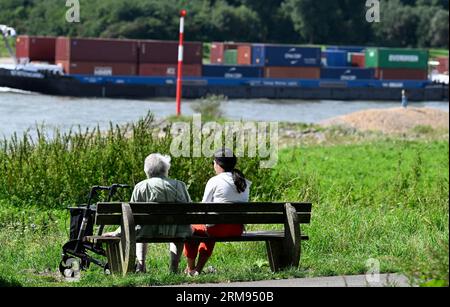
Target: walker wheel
x=70, y=267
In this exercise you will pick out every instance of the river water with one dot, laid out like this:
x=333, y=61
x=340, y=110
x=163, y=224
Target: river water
x=21, y=111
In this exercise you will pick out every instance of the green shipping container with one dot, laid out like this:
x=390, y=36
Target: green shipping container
x=230, y=57
x=396, y=58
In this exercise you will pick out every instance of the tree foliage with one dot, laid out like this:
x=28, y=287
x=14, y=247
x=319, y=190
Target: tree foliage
x=404, y=23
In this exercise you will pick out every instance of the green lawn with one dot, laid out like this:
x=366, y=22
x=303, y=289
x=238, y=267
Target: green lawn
x=386, y=200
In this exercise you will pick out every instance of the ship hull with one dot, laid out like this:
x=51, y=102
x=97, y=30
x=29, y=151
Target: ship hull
x=193, y=88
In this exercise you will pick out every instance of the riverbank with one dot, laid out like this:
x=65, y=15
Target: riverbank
x=384, y=198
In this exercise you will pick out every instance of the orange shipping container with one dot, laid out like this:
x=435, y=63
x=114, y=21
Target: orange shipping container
x=166, y=52
x=358, y=60
x=99, y=68
x=400, y=74
x=169, y=70
x=442, y=68
x=244, y=55
x=36, y=48
x=96, y=50
x=292, y=72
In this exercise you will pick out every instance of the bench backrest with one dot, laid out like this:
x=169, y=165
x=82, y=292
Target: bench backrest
x=202, y=213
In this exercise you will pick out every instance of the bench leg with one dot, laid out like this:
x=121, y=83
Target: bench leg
x=275, y=254
x=286, y=253
x=292, y=238
x=122, y=254
x=114, y=254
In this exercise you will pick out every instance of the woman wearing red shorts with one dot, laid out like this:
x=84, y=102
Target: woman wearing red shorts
x=228, y=186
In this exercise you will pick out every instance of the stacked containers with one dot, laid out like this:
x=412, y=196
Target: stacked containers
x=231, y=53
x=398, y=64
x=36, y=48
x=160, y=58
x=287, y=61
x=97, y=56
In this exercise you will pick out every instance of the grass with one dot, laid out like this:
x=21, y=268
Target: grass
x=384, y=199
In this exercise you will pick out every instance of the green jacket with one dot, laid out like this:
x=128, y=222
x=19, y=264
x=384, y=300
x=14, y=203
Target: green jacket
x=161, y=190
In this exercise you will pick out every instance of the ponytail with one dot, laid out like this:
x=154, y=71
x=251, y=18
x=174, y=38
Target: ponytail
x=239, y=180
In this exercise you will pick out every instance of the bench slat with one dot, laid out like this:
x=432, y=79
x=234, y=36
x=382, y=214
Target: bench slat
x=253, y=236
x=220, y=218
x=201, y=207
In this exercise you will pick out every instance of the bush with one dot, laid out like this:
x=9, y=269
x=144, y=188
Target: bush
x=210, y=107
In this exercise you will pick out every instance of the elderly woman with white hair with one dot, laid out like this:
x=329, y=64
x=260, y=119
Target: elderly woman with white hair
x=158, y=187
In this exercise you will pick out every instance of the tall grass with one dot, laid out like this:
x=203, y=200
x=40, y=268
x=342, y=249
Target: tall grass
x=58, y=171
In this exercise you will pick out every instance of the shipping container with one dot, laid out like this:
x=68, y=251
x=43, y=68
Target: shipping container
x=216, y=53
x=36, y=48
x=442, y=67
x=292, y=72
x=285, y=56
x=347, y=48
x=218, y=50
x=230, y=57
x=347, y=73
x=96, y=50
x=169, y=70
x=336, y=58
x=400, y=74
x=98, y=68
x=166, y=52
x=358, y=60
x=396, y=58
x=244, y=55
x=235, y=72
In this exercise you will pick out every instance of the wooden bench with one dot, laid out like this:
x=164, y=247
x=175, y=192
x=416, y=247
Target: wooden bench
x=283, y=247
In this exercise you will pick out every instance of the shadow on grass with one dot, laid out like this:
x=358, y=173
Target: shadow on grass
x=9, y=283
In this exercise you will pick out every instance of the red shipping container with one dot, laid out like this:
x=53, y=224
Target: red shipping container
x=99, y=68
x=244, y=55
x=166, y=52
x=218, y=50
x=292, y=72
x=442, y=68
x=36, y=48
x=169, y=70
x=96, y=50
x=400, y=74
x=358, y=60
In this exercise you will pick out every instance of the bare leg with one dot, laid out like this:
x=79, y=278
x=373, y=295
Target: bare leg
x=141, y=253
x=175, y=254
x=202, y=259
x=191, y=264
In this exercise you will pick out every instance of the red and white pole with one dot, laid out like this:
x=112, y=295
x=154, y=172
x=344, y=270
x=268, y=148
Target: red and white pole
x=180, y=63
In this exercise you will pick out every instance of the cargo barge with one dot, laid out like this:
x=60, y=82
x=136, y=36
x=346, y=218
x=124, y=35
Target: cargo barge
x=142, y=69
x=244, y=88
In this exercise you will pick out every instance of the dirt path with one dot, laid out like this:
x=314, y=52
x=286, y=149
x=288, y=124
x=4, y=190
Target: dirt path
x=395, y=120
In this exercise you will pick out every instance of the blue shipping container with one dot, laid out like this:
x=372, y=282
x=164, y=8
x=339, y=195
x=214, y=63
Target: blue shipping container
x=347, y=48
x=336, y=58
x=235, y=72
x=286, y=56
x=347, y=74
